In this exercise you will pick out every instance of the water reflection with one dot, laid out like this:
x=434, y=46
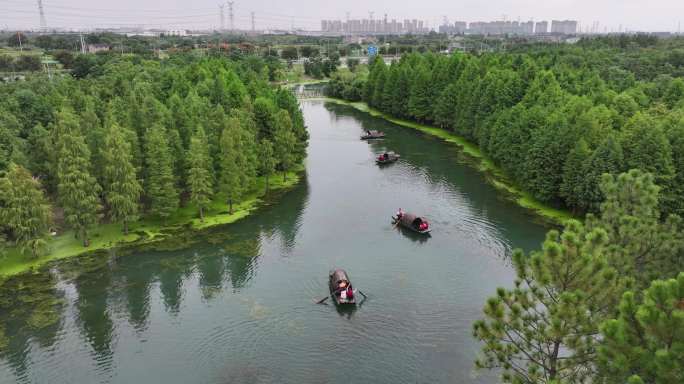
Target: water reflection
x=32, y=307
x=30, y=310
x=173, y=270
x=93, y=315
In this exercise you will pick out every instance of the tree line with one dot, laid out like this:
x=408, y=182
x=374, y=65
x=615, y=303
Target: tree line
x=139, y=138
x=554, y=119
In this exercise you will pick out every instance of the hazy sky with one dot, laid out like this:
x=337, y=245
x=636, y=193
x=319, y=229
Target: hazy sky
x=651, y=15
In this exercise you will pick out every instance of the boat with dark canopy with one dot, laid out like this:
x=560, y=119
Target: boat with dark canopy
x=372, y=135
x=340, y=288
x=410, y=221
x=387, y=158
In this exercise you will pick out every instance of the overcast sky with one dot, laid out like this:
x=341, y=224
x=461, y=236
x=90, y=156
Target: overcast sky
x=645, y=15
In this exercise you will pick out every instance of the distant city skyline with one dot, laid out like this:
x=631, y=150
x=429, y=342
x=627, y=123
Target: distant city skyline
x=611, y=15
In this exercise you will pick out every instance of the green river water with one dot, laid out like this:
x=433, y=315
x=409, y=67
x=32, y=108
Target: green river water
x=237, y=305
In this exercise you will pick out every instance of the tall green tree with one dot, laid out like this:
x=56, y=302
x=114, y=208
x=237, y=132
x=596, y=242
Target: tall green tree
x=544, y=329
x=267, y=160
x=160, y=185
x=200, y=172
x=645, y=343
x=421, y=98
x=285, y=142
x=77, y=189
x=24, y=209
x=571, y=189
x=444, y=111
x=230, y=171
x=121, y=185
x=607, y=158
x=676, y=191
x=466, y=106
x=647, y=148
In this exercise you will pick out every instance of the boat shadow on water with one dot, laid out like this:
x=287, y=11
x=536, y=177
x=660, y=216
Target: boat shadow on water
x=346, y=310
x=420, y=238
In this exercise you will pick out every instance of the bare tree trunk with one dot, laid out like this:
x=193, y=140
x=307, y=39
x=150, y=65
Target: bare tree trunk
x=553, y=370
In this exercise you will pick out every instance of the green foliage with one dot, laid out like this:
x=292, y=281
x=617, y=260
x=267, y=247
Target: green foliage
x=645, y=343
x=267, y=160
x=572, y=187
x=545, y=329
x=541, y=331
x=231, y=157
x=200, y=176
x=160, y=188
x=24, y=211
x=647, y=148
x=128, y=121
x=77, y=189
x=421, y=96
x=642, y=246
x=121, y=186
x=285, y=141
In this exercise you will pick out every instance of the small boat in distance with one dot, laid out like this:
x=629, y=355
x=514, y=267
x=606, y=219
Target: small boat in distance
x=373, y=135
x=340, y=288
x=412, y=222
x=387, y=158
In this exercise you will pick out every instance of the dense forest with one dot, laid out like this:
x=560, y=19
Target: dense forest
x=126, y=138
x=555, y=118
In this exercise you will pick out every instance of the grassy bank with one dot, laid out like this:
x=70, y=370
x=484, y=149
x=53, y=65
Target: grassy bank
x=107, y=236
x=494, y=174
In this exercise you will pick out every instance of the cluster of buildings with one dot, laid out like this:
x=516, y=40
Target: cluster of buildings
x=373, y=26
x=565, y=27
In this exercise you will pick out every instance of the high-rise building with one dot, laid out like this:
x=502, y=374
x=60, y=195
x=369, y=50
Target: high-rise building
x=566, y=27
x=501, y=28
x=457, y=28
x=372, y=26
x=541, y=27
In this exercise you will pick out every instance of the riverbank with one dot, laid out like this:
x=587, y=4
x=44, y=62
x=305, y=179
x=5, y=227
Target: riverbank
x=479, y=160
x=147, y=231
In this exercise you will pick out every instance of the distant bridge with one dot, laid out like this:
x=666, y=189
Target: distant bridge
x=302, y=93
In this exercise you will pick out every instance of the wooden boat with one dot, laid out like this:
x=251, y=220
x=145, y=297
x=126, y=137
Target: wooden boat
x=372, y=135
x=412, y=222
x=337, y=278
x=387, y=158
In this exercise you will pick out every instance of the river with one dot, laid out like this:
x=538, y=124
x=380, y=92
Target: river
x=237, y=306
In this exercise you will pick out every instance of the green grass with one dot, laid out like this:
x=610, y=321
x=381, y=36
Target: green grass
x=495, y=175
x=107, y=236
